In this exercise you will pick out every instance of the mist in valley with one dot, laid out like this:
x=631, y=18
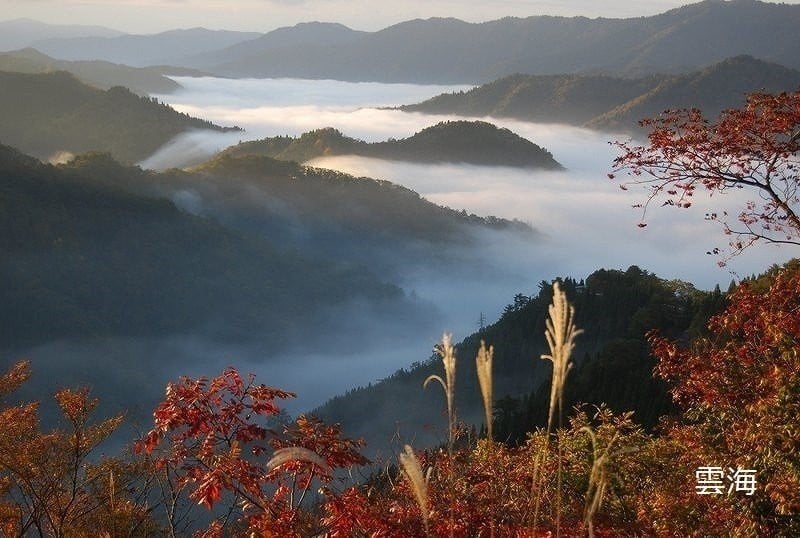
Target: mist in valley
x=585, y=220
x=581, y=222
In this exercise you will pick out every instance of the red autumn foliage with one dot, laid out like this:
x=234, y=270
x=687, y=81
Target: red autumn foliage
x=489, y=490
x=214, y=436
x=754, y=148
x=740, y=389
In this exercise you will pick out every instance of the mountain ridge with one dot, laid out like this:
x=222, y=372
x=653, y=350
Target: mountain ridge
x=22, y=32
x=614, y=103
x=449, y=50
x=142, y=50
x=123, y=263
x=471, y=142
x=438, y=50
x=54, y=112
x=98, y=73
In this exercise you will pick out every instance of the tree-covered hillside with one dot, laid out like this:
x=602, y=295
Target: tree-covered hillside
x=613, y=365
x=44, y=114
x=100, y=74
x=603, y=102
x=87, y=258
x=376, y=223
x=472, y=142
x=94, y=247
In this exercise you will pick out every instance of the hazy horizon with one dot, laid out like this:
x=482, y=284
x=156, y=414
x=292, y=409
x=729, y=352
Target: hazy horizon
x=153, y=16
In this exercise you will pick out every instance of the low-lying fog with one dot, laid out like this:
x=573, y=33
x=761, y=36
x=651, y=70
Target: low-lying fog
x=587, y=220
x=586, y=223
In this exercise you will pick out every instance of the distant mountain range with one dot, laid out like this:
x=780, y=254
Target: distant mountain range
x=609, y=103
x=21, y=33
x=167, y=48
x=449, y=50
x=453, y=51
x=44, y=114
x=97, y=73
x=472, y=142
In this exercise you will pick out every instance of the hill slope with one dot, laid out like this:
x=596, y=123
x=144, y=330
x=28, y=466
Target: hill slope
x=83, y=257
x=289, y=48
x=720, y=86
x=53, y=112
x=453, y=141
x=321, y=214
x=614, y=103
x=360, y=219
x=612, y=363
x=100, y=74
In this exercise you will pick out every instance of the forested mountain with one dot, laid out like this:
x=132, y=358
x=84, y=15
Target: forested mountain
x=614, y=308
x=720, y=86
x=453, y=51
x=110, y=226
x=473, y=142
x=604, y=102
x=21, y=33
x=44, y=114
x=281, y=47
x=163, y=48
x=321, y=213
x=84, y=257
x=100, y=74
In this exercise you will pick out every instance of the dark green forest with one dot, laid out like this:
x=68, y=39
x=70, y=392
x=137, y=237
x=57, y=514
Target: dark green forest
x=472, y=142
x=84, y=257
x=613, y=363
x=240, y=246
x=47, y=113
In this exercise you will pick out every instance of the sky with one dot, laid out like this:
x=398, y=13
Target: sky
x=150, y=16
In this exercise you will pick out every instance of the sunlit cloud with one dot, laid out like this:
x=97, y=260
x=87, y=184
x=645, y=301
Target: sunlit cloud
x=586, y=220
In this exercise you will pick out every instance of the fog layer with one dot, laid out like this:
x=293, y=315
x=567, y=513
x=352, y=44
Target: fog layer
x=587, y=220
x=585, y=223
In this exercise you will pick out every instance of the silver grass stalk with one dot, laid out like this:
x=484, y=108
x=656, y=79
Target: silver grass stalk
x=419, y=485
x=448, y=354
x=297, y=453
x=483, y=365
x=560, y=333
x=598, y=479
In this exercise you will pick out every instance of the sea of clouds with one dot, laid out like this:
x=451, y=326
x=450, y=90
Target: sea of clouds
x=587, y=221
x=584, y=221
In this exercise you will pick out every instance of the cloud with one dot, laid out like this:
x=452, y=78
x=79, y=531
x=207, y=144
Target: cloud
x=188, y=149
x=586, y=223
x=586, y=220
